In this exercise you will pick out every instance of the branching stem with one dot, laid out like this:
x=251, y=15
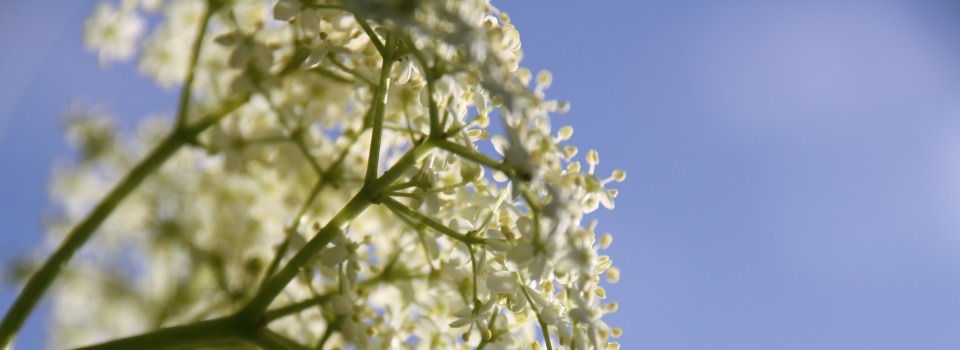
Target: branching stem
x=403, y=209
x=39, y=282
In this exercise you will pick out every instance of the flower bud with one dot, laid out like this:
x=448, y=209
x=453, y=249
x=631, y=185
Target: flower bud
x=565, y=133
x=605, y=240
x=619, y=175
x=613, y=274
x=544, y=79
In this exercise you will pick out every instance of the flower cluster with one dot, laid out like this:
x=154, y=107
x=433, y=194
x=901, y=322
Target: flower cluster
x=330, y=183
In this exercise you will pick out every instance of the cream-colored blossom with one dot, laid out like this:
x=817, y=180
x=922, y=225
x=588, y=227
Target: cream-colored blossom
x=461, y=248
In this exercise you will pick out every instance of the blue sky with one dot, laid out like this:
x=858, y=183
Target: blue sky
x=793, y=166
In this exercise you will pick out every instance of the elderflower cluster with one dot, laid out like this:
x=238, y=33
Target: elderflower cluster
x=461, y=249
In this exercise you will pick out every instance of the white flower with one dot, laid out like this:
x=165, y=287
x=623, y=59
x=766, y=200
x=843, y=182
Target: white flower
x=113, y=32
x=502, y=282
x=286, y=10
x=455, y=258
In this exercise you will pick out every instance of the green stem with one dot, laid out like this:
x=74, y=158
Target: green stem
x=191, y=72
x=493, y=319
x=270, y=340
x=204, y=333
x=298, y=140
x=373, y=35
x=543, y=325
x=322, y=182
x=379, y=109
x=331, y=74
x=351, y=71
x=474, y=156
x=368, y=194
x=328, y=332
x=431, y=78
x=473, y=263
x=282, y=250
x=297, y=307
x=388, y=274
x=403, y=209
x=39, y=282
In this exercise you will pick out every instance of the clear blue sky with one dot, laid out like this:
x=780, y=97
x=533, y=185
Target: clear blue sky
x=793, y=166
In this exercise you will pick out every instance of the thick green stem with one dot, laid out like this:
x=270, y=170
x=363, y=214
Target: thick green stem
x=204, y=333
x=368, y=194
x=322, y=182
x=39, y=282
x=379, y=109
x=269, y=340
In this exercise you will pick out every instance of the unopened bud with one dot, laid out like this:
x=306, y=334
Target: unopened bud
x=565, y=133
x=613, y=307
x=569, y=151
x=613, y=274
x=544, y=79
x=616, y=332
x=606, y=240
x=619, y=175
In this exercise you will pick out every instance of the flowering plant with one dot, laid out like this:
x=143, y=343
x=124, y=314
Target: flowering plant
x=321, y=186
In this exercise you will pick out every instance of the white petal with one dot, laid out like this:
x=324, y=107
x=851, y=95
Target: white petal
x=498, y=245
x=333, y=255
x=502, y=282
x=315, y=57
x=461, y=225
x=500, y=144
x=286, y=10
x=406, y=71
x=521, y=254
x=342, y=306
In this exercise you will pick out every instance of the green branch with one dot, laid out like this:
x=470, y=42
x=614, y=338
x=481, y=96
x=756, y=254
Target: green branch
x=270, y=340
x=328, y=332
x=474, y=156
x=204, y=333
x=402, y=209
x=431, y=78
x=543, y=325
x=368, y=194
x=373, y=35
x=195, y=56
x=39, y=282
x=282, y=249
x=333, y=59
x=379, y=105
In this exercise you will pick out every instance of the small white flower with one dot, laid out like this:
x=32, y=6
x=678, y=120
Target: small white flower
x=286, y=10
x=113, y=32
x=502, y=282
